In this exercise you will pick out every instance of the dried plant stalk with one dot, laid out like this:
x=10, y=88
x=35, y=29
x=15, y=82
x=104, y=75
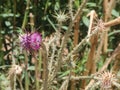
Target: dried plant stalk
x=91, y=65
x=79, y=12
x=99, y=48
x=45, y=66
x=108, y=61
x=116, y=65
x=108, y=6
x=112, y=22
x=76, y=35
x=64, y=85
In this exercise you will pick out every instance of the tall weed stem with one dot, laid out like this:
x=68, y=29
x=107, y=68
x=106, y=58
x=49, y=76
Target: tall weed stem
x=26, y=73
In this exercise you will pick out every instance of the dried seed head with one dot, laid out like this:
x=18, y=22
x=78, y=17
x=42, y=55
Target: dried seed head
x=61, y=16
x=106, y=80
x=99, y=25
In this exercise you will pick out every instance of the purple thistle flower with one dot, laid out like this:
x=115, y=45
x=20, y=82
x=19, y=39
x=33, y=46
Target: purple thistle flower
x=36, y=39
x=31, y=41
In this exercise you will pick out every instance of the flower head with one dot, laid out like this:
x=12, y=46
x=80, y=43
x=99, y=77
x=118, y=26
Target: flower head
x=25, y=41
x=107, y=79
x=99, y=25
x=36, y=39
x=61, y=16
x=31, y=41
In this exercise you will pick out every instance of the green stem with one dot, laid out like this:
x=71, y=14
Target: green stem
x=40, y=61
x=26, y=73
x=26, y=81
x=26, y=14
x=14, y=11
x=37, y=71
x=14, y=81
x=20, y=82
x=45, y=66
x=36, y=75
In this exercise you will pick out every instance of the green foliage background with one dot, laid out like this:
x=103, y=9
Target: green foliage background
x=11, y=18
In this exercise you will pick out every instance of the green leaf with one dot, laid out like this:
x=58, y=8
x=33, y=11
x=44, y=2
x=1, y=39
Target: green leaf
x=114, y=32
x=77, y=3
x=91, y=4
x=52, y=24
x=5, y=15
x=115, y=13
x=31, y=68
x=57, y=6
x=65, y=27
x=85, y=21
x=7, y=23
x=118, y=74
x=64, y=74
